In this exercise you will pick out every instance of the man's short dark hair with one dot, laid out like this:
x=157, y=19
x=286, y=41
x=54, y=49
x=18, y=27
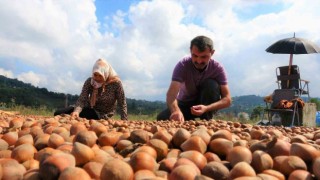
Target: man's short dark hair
x=202, y=42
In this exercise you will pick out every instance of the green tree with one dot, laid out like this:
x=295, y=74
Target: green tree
x=256, y=112
x=317, y=102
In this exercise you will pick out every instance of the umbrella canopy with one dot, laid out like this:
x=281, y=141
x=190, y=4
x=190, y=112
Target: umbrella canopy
x=293, y=46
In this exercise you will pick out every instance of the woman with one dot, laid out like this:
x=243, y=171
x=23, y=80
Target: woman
x=100, y=94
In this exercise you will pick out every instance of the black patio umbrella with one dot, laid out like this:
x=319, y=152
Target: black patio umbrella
x=293, y=46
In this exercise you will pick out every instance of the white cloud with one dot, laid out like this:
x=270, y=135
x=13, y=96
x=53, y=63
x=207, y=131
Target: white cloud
x=37, y=80
x=6, y=73
x=53, y=44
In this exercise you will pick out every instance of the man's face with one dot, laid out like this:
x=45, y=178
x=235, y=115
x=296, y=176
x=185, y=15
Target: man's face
x=200, y=59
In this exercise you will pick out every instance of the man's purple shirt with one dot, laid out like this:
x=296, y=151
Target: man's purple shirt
x=190, y=77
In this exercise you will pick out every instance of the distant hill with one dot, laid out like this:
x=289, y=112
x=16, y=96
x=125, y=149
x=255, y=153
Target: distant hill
x=244, y=104
x=13, y=91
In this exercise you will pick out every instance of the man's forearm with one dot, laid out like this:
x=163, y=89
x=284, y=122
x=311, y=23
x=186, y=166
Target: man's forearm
x=172, y=104
x=222, y=103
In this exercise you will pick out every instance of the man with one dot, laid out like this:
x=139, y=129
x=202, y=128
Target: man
x=199, y=85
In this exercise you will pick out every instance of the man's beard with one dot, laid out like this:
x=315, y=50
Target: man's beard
x=200, y=66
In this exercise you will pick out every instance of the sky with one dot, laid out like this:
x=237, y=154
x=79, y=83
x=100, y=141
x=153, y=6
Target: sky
x=53, y=44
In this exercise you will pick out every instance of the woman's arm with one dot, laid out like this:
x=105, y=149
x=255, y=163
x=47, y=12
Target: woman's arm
x=83, y=99
x=122, y=103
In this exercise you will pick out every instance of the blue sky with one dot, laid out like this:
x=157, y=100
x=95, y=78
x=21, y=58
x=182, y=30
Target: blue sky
x=260, y=9
x=110, y=7
x=53, y=44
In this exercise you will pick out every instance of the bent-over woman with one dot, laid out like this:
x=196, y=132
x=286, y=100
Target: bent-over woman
x=100, y=95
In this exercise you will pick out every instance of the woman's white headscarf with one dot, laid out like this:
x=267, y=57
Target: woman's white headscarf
x=106, y=71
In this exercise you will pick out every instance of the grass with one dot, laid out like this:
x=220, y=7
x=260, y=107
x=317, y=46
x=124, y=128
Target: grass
x=44, y=111
x=23, y=110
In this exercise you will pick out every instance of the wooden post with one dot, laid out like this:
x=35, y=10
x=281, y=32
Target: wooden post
x=289, y=69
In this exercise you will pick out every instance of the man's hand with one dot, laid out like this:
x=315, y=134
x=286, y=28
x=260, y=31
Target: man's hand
x=198, y=110
x=177, y=116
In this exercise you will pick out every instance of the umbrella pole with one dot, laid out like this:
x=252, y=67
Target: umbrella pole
x=289, y=69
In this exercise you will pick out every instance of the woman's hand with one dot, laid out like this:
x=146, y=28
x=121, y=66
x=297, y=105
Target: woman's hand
x=75, y=114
